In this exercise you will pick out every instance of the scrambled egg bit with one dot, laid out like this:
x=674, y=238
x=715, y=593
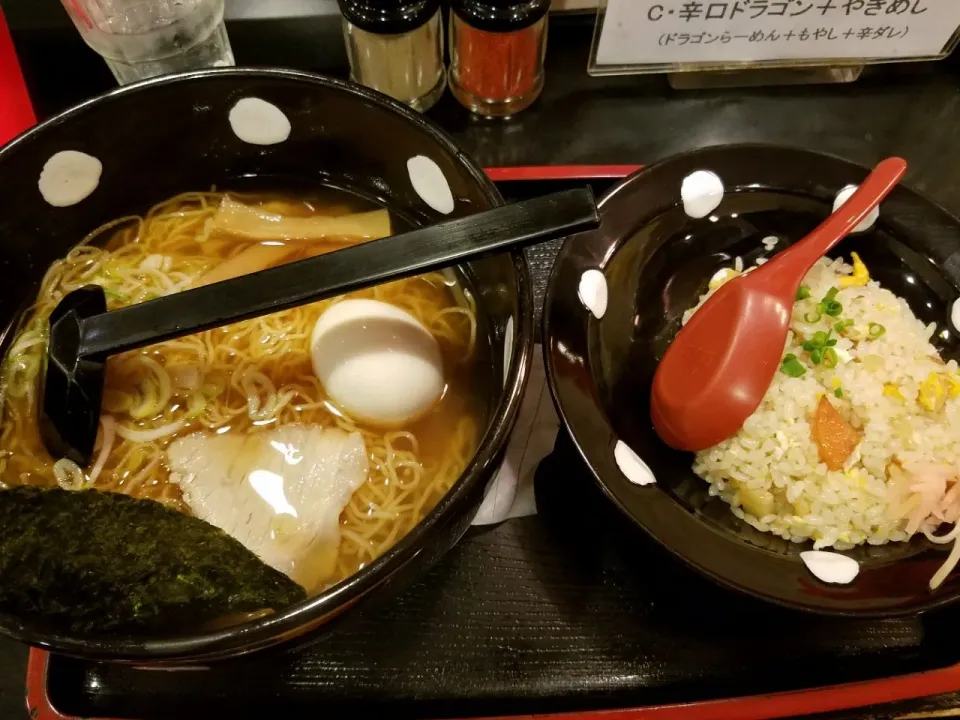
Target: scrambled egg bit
x=892, y=391
x=722, y=276
x=860, y=275
x=936, y=389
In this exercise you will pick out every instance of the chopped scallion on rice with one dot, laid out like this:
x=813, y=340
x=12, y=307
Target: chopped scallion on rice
x=792, y=367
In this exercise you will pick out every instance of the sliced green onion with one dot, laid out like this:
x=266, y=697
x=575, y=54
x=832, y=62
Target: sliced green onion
x=829, y=358
x=196, y=404
x=812, y=317
x=831, y=342
x=809, y=346
x=821, y=307
x=838, y=393
x=876, y=330
x=803, y=292
x=816, y=356
x=819, y=337
x=792, y=367
x=833, y=308
x=109, y=292
x=831, y=294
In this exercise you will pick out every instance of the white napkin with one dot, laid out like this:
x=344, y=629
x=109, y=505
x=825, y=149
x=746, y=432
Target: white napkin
x=510, y=494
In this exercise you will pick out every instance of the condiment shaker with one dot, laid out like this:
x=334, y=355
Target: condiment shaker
x=396, y=47
x=496, y=54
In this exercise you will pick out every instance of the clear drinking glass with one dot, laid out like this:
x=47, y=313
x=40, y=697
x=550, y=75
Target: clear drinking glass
x=144, y=38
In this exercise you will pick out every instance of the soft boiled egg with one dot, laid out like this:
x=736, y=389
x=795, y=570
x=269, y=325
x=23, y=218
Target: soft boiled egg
x=378, y=363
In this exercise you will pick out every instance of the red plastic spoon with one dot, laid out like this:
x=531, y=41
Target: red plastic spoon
x=721, y=363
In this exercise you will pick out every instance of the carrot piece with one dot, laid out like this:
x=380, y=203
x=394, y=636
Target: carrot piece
x=834, y=436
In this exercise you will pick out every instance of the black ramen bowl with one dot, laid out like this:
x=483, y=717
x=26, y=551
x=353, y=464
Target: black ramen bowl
x=657, y=262
x=170, y=135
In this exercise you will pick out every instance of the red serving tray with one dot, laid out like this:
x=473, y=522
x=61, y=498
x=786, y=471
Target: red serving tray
x=560, y=172
x=16, y=110
x=755, y=707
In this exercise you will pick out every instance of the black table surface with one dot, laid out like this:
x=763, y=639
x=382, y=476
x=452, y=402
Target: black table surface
x=908, y=110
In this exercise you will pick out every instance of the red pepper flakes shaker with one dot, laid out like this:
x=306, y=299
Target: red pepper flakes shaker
x=496, y=54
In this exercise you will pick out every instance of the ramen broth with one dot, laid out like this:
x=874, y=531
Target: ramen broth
x=247, y=377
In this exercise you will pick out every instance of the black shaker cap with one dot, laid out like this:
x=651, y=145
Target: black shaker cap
x=500, y=15
x=388, y=17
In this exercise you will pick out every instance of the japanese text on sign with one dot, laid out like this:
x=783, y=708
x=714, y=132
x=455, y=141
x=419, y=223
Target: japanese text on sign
x=671, y=31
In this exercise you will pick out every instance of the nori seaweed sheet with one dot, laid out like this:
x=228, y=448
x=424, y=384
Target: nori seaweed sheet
x=94, y=562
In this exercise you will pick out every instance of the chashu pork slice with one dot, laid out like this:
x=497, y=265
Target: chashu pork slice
x=278, y=492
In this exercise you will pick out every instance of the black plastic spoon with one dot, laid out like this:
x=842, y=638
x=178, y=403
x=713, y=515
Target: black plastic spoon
x=83, y=334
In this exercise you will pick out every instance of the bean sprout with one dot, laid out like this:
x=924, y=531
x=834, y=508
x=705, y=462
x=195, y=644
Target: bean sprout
x=109, y=433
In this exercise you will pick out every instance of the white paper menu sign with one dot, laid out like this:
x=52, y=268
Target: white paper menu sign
x=673, y=31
